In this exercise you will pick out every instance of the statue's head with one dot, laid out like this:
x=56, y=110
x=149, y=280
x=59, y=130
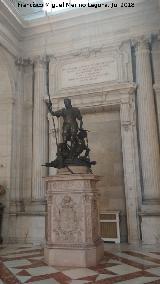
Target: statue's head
x=67, y=103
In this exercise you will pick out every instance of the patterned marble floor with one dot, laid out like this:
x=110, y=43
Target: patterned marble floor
x=122, y=264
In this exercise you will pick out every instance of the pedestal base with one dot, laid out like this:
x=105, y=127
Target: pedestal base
x=74, y=257
x=72, y=227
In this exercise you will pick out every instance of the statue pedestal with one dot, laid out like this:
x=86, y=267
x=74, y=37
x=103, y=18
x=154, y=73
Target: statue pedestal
x=72, y=227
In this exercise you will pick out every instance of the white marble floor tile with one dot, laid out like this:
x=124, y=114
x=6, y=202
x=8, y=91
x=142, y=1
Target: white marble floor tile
x=155, y=271
x=104, y=276
x=123, y=269
x=135, y=259
x=114, y=261
x=46, y=281
x=18, y=262
x=14, y=270
x=139, y=280
x=79, y=273
x=42, y=270
x=23, y=279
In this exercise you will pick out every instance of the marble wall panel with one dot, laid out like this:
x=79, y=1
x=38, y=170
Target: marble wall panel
x=105, y=144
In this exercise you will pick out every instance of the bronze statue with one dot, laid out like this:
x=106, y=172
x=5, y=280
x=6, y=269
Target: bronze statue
x=70, y=116
x=74, y=149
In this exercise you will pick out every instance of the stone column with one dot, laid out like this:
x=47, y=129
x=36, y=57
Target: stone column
x=148, y=134
x=130, y=168
x=40, y=130
x=17, y=150
x=27, y=132
x=156, y=70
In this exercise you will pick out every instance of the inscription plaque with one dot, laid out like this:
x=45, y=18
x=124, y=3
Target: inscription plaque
x=88, y=72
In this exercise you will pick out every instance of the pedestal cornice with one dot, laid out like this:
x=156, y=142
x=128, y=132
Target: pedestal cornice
x=65, y=177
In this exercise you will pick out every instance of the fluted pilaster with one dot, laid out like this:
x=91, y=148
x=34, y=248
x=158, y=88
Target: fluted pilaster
x=156, y=70
x=40, y=130
x=130, y=174
x=148, y=134
x=17, y=152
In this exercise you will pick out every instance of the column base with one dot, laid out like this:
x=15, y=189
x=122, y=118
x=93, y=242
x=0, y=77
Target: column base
x=26, y=222
x=74, y=257
x=150, y=225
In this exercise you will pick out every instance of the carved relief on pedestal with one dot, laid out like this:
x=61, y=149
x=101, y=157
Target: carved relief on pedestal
x=95, y=214
x=91, y=217
x=67, y=219
x=87, y=204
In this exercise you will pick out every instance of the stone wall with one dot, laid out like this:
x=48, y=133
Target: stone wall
x=7, y=100
x=106, y=148
x=91, y=57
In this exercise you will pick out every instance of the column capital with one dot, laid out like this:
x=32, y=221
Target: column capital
x=41, y=61
x=52, y=58
x=142, y=44
x=124, y=43
x=21, y=61
x=156, y=43
x=155, y=36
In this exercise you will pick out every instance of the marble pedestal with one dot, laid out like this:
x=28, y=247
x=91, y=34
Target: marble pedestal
x=72, y=227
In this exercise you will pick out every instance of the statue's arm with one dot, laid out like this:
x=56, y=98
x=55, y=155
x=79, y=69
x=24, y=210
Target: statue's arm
x=57, y=113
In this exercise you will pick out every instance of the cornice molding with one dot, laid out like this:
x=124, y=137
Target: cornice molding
x=10, y=31
x=28, y=30
x=113, y=96
x=8, y=17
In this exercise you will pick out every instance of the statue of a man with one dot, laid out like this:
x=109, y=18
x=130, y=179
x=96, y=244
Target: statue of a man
x=74, y=149
x=70, y=117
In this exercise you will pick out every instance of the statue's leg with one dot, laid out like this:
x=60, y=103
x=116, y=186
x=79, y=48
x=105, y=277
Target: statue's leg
x=66, y=133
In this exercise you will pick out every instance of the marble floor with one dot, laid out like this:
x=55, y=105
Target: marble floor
x=122, y=264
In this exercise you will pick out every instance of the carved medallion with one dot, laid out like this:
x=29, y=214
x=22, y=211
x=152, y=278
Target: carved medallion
x=68, y=223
